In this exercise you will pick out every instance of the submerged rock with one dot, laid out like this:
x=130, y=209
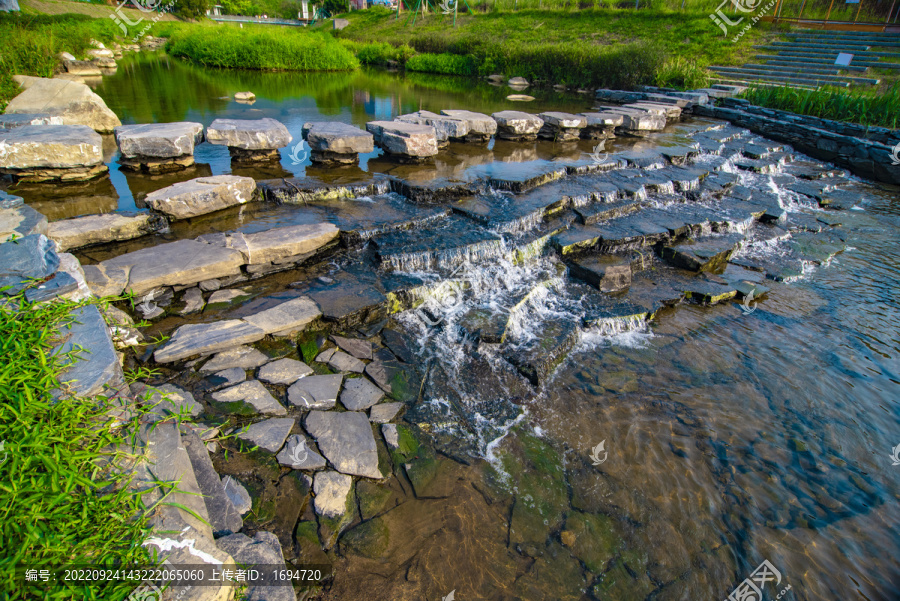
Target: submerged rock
x=237, y=494
x=346, y=440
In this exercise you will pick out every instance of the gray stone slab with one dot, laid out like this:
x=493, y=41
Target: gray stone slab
x=73, y=102
x=284, y=371
x=229, y=377
x=60, y=284
x=248, y=134
x=262, y=550
x=204, y=339
x=223, y=515
x=237, y=494
x=297, y=455
x=341, y=361
x=359, y=394
x=286, y=318
x=50, y=146
x=315, y=392
x=517, y=123
x=158, y=140
x=391, y=435
x=331, y=490
x=337, y=137
x=244, y=357
x=405, y=139
x=253, y=393
x=563, y=120
x=479, y=123
x=384, y=412
x=269, y=434
x=98, y=364
x=202, y=195
x=23, y=119
x=446, y=128
x=99, y=229
x=166, y=401
x=277, y=244
x=361, y=349
x=346, y=440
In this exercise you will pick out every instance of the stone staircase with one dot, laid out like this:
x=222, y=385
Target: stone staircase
x=807, y=60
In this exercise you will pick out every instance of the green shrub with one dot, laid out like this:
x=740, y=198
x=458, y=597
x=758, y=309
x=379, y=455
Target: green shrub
x=682, y=73
x=865, y=107
x=448, y=64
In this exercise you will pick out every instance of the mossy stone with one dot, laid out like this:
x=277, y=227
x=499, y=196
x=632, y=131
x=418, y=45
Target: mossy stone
x=368, y=539
x=372, y=498
x=596, y=539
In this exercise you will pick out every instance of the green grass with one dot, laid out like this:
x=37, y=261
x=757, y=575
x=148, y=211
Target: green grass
x=857, y=105
x=58, y=503
x=32, y=43
x=260, y=47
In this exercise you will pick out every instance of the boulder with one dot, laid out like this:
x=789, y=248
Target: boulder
x=37, y=153
x=9, y=121
x=202, y=195
x=407, y=141
x=99, y=229
x=249, y=139
x=158, y=147
x=71, y=101
x=481, y=126
x=336, y=142
x=516, y=125
x=346, y=440
x=269, y=434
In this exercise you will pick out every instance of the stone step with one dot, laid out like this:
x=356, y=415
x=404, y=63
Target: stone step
x=99, y=229
x=779, y=79
x=788, y=61
x=787, y=51
x=813, y=46
x=791, y=68
x=811, y=78
x=443, y=246
x=310, y=189
x=887, y=41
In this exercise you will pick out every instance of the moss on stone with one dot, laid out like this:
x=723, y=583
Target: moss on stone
x=595, y=539
x=369, y=539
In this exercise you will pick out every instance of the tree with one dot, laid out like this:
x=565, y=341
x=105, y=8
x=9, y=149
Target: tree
x=191, y=9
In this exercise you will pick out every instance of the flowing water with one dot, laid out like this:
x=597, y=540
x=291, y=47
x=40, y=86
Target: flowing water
x=661, y=460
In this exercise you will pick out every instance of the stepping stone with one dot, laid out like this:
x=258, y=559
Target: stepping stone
x=297, y=455
x=637, y=122
x=228, y=377
x=346, y=440
x=446, y=128
x=561, y=127
x=243, y=357
x=158, y=147
x=237, y=494
x=223, y=515
x=669, y=111
x=249, y=139
x=262, y=550
x=341, y=361
x=184, y=263
x=600, y=126
x=385, y=412
x=40, y=153
x=618, y=96
x=282, y=245
x=73, y=102
x=204, y=339
x=517, y=126
x=202, y=195
x=315, y=392
x=359, y=394
x=361, y=349
x=245, y=96
x=407, y=141
x=269, y=434
x=287, y=318
x=333, y=142
x=100, y=229
x=607, y=273
x=252, y=393
x=481, y=126
x=284, y=371
x=705, y=254
x=331, y=490
x=12, y=121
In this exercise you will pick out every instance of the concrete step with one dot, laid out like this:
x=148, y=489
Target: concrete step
x=810, y=72
x=776, y=76
x=735, y=81
x=788, y=61
x=792, y=68
x=843, y=47
x=798, y=50
x=889, y=41
x=781, y=79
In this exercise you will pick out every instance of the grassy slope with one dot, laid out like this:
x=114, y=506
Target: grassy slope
x=100, y=11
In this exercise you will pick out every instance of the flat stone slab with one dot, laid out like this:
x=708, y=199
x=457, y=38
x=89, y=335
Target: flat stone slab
x=243, y=357
x=405, y=139
x=253, y=393
x=167, y=400
x=237, y=494
x=315, y=392
x=297, y=455
x=17, y=221
x=385, y=412
x=158, y=140
x=341, y=361
x=284, y=371
x=31, y=257
x=608, y=273
x=19, y=120
x=269, y=434
x=705, y=254
x=633, y=120
x=563, y=120
x=223, y=515
x=248, y=134
x=203, y=339
x=331, y=490
x=50, y=146
x=446, y=128
x=337, y=137
x=479, y=123
x=276, y=244
x=73, y=102
x=346, y=440
x=228, y=377
x=517, y=124
x=262, y=550
x=184, y=263
x=286, y=318
x=98, y=365
x=202, y=195
x=361, y=349
x=359, y=394
x=99, y=229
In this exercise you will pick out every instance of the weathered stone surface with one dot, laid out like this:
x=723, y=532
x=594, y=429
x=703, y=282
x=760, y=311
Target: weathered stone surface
x=391, y=435
x=279, y=243
x=50, y=146
x=223, y=516
x=361, y=349
x=297, y=455
x=243, y=357
x=105, y=281
x=254, y=393
x=167, y=400
x=331, y=489
x=73, y=102
x=262, y=550
x=9, y=121
x=286, y=318
x=315, y=392
x=608, y=273
x=193, y=301
x=346, y=440
x=704, y=254
x=237, y=494
x=202, y=195
x=228, y=377
x=203, y=339
x=228, y=296
x=98, y=365
x=185, y=262
x=246, y=134
x=384, y=412
x=31, y=257
x=519, y=82
x=341, y=361
x=563, y=120
x=98, y=229
x=516, y=125
x=446, y=128
x=480, y=125
x=284, y=371
x=638, y=121
x=269, y=434
x=405, y=139
x=21, y=220
x=158, y=140
x=359, y=394
x=337, y=138
x=60, y=284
